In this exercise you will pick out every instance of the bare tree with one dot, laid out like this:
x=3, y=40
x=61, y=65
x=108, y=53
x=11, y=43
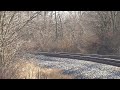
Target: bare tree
x=10, y=29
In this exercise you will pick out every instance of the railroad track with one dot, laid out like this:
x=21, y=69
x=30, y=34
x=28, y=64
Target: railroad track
x=104, y=59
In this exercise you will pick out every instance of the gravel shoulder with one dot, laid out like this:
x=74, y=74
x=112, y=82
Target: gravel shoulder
x=80, y=69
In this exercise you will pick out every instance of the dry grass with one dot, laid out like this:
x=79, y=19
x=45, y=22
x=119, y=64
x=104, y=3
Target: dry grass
x=28, y=69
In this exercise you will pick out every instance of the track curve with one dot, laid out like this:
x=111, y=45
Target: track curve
x=104, y=59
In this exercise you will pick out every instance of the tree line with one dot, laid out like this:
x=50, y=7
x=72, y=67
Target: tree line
x=58, y=31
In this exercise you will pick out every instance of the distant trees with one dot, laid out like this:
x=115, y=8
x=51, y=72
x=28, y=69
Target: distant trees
x=79, y=31
x=101, y=29
x=109, y=31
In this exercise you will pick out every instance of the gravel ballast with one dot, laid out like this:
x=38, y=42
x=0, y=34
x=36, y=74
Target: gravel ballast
x=80, y=69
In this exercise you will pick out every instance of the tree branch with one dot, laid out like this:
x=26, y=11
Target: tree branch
x=31, y=18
